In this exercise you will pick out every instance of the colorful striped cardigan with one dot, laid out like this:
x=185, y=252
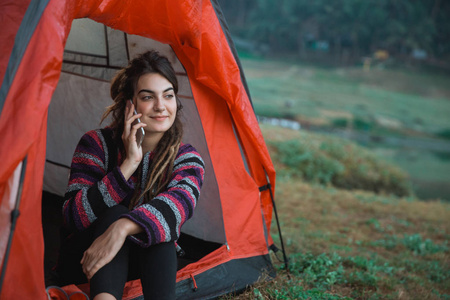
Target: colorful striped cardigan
x=96, y=183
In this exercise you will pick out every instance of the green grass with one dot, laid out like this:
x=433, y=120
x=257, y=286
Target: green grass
x=355, y=244
x=427, y=165
x=429, y=171
x=330, y=160
x=381, y=102
x=412, y=101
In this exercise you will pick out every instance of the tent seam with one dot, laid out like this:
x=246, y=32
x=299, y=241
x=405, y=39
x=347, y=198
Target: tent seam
x=26, y=30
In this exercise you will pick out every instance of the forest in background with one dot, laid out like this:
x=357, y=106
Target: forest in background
x=343, y=31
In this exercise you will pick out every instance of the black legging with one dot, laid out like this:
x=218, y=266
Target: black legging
x=156, y=266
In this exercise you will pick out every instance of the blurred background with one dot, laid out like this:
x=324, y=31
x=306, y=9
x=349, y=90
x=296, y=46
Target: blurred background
x=353, y=100
x=373, y=72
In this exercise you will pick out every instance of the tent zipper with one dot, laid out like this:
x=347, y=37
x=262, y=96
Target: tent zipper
x=194, y=283
x=14, y=216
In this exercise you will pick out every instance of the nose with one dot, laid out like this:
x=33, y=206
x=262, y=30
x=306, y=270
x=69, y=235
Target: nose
x=159, y=104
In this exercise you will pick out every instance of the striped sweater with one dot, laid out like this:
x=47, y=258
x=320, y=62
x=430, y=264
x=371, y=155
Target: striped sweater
x=96, y=183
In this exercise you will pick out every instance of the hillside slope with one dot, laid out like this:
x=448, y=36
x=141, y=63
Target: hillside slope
x=356, y=244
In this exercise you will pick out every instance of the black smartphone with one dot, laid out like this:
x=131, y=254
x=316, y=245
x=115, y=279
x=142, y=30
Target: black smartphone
x=140, y=133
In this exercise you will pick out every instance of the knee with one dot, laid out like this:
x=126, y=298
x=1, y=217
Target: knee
x=163, y=254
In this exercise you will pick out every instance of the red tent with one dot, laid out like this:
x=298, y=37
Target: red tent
x=54, y=88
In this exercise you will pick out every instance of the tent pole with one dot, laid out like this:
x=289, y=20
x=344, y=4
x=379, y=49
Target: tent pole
x=286, y=261
x=268, y=186
x=14, y=216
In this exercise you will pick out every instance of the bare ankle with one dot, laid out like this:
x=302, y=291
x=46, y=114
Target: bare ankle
x=104, y=296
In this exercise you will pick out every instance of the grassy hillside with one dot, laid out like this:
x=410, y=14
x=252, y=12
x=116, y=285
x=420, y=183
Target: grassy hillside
x=355, y=244
x=395, y=99
x=330, y=160
x=388, y=105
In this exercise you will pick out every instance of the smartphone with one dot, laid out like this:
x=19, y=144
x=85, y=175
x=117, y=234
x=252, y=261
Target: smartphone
x=140, y=133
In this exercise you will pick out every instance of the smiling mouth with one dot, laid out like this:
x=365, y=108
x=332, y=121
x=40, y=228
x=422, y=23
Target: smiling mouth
x=159, y=118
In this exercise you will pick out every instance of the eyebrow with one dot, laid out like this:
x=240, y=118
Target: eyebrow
x=152, y=92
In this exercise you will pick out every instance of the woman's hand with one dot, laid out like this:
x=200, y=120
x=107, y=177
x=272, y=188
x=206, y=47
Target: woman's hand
x=107, y=245
x=133, y=150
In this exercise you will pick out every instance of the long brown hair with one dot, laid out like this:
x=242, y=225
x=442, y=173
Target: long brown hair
x=122, y=88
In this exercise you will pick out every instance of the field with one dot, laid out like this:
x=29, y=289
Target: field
x=394, y=107
x=354, y=243
x=402, y=99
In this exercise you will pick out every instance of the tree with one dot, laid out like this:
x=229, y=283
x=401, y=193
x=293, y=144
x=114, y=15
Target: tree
x=355, y=27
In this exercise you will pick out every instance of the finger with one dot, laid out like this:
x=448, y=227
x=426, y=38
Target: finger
x=85, y=262
x=95, y=268
x=128, y=114
x=129, y=121
x=88, y=263
x=87, y=269
x=135, y=128
x=97, y=265
x=131, y=133
x=129, y=108
x=133, y=117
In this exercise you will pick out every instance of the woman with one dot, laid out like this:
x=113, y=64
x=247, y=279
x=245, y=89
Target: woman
x=126, y=201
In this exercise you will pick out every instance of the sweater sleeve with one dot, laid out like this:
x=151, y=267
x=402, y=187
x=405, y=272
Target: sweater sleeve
x=91, y=188
x=164, y=215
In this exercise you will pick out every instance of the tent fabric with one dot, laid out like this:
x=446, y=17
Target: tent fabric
x=32, y=42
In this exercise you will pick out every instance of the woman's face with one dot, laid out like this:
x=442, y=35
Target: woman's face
x=155, y=99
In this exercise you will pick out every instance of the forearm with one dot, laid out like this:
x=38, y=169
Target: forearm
x=127, y=227
x=84, y=200
x=164, y=215
x=128, y=167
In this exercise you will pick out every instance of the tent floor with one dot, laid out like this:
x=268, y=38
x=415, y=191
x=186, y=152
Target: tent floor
x=194, y=248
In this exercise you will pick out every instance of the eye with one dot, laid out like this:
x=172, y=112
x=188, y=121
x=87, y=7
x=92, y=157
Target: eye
x=147, y=97
x=169, y=96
